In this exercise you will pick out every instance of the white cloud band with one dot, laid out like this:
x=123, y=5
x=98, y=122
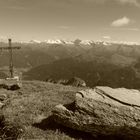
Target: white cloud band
x=131, y=2
x=121, y=22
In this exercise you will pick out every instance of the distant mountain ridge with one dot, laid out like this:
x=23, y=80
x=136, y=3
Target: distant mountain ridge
x=65, y=41
x=117, y=64
x=94, y=73
x=34, y=54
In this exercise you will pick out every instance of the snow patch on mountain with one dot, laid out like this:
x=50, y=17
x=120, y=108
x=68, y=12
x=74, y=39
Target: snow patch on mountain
x=70, y=42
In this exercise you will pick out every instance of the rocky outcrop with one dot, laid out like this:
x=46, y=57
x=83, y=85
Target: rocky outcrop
x=14, y=87
x=75, y=81
x=103, y=111
x=3, y=99
x=54, y=81
x=50, y=80
x=10, y=87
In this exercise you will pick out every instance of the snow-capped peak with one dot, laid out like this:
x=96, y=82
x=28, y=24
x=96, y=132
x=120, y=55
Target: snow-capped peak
x=57, y=41
x=86, y=42
x=83, y=42
x=35, y=41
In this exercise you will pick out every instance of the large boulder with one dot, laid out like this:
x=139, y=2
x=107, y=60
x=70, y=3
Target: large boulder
x=10, y=87
x=75, y=81
x=14, y=87
x=10, y=84
x=103, y=111
x=3, y=86
x=50, y=80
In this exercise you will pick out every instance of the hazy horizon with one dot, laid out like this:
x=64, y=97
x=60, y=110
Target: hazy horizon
x=107, y=20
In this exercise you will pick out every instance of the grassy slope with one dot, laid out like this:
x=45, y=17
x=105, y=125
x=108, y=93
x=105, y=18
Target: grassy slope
x=33, y=103
x=93, y=73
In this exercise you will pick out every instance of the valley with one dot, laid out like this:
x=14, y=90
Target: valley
x=117, y=65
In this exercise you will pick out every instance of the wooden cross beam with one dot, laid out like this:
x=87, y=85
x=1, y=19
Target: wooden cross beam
x=10, y=48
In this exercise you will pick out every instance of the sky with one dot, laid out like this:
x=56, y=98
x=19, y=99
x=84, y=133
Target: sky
x=108, y=20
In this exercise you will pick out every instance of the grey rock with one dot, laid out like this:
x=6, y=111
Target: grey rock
x=75, y=81
x=14, y=87
x=103, y=111
x=3, y=97
x=1, y=105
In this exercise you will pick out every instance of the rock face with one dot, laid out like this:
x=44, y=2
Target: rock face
x=76, y=82
x=10, y=87
x=3, y=99
x=14, y=87
x=50, y=80
x=103, y=111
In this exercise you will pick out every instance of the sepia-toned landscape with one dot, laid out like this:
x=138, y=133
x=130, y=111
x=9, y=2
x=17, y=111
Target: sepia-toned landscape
x=69, y=70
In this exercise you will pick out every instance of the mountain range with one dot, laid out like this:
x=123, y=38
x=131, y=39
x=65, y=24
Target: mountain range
x=117, y=64
x=64, y=41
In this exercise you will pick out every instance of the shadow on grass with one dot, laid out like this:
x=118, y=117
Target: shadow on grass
x=9, y=131
x=50, y=124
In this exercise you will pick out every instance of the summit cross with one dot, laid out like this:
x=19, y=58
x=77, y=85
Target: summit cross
x=10, y=48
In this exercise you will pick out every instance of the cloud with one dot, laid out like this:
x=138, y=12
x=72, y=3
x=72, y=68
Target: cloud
x=17, y=8
x=129, y=29
x=134, y=2
x=38, y=3
x=131, y=2
x=64, y=27
x=121, y=22
x=133, y=29
x=107, y=37
x=124, y=29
